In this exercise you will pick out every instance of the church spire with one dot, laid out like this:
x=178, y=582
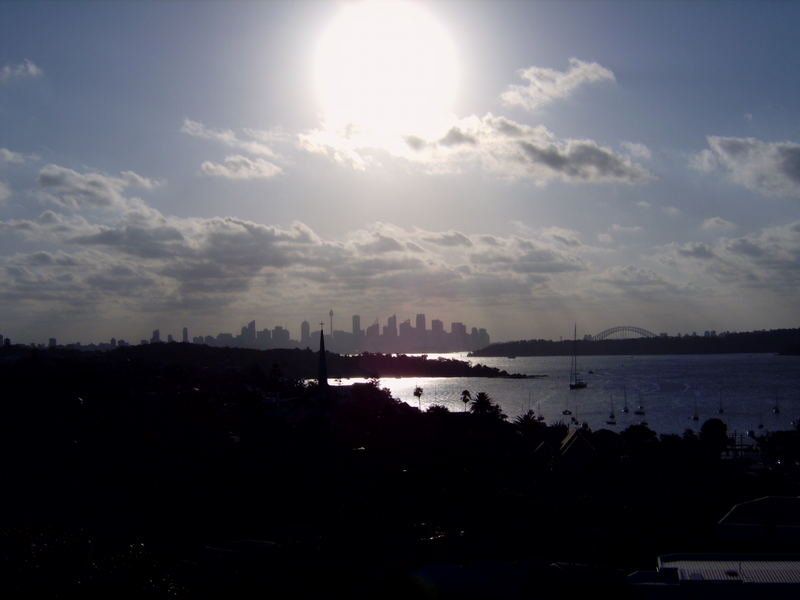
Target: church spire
x=322, y=375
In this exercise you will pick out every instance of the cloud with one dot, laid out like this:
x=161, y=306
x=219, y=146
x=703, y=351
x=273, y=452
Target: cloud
x=526, y=256
x=141, y=266
x=636, y=151
x=514, y=150
x=631, y=277
x=227, y=137
x=625, y=229
x=696, y=250
x=16, y=158
x=241, y=167
x=546, y=85
x=582, y=160
x=5, y=192
x=566, y=237
x=452, y=238
x=770, y=168
x=671, y=211
x=717, y=224
x=765, y=260
x=76, y=191
x=456, y=137
x=380, y=244
x=24, y=70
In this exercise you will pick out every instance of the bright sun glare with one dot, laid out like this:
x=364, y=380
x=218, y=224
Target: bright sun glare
x=384, y=69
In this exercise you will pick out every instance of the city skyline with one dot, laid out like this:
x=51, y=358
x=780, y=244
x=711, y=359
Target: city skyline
x=391, y=337
x=343, y=341
x=522, y=165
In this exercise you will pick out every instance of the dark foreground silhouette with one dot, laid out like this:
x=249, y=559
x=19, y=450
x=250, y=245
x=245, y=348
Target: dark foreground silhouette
x=139, y=476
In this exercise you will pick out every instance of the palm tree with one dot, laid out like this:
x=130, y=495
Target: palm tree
x=526, y=420
x=418, y=394
x=529, y=425
x=483, y=405
x=465, y=398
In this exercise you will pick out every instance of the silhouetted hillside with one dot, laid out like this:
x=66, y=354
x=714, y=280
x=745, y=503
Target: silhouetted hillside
x=292, y=363
x=773, y=341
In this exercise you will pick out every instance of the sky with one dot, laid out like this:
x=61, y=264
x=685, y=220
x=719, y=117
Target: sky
x=518, y=166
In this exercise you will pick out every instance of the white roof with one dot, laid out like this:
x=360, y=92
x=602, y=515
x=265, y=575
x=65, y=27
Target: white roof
x=742, y=571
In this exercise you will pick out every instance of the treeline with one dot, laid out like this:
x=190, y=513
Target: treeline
x=783, y=341
x=289, y=363
x=158, y=478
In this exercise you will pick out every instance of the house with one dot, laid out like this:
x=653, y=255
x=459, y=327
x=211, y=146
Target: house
x=729, y=576
x=768, y=520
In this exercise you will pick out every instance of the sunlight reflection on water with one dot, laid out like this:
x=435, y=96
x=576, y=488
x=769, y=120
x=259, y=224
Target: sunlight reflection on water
x=746, y=387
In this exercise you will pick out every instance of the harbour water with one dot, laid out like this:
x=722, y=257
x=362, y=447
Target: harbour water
x=754, y=392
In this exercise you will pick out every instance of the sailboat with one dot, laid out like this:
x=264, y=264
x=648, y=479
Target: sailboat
x=695, y=416
x=575, y=382
x=625, y=408
x=612, y=420
x=539, y=411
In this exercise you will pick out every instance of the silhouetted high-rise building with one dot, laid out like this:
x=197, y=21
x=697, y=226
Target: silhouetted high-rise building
x=420, y=322
x=406, y=331
x=156, y=337
x=52, y=343
x=280, y=337
x=185, y=335
x=356, y=325
x=305, y=333
x=458, y=335
x=390, y=331
x=263, y=338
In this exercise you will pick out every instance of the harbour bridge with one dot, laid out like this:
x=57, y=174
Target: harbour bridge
x=623, y=331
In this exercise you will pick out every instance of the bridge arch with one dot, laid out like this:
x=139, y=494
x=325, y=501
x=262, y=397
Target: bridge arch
x=625, y=329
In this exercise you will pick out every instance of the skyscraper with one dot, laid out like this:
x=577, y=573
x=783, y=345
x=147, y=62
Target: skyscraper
x=305, y=333
x=356, y=325
x=391, y=327
x=185, y=335
x=420, y=322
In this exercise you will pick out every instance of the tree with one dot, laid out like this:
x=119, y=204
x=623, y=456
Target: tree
x=528, y=425
x=466, y=397
x=484, y=406
x=418, y=394
x=526, y=421
x=714, y=436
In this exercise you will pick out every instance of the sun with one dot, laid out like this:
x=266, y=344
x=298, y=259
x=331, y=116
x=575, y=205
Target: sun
x=386, y=69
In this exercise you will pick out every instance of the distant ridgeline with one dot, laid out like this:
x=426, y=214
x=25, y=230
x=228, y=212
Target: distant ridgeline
x=278, y=363
x=783, y=341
